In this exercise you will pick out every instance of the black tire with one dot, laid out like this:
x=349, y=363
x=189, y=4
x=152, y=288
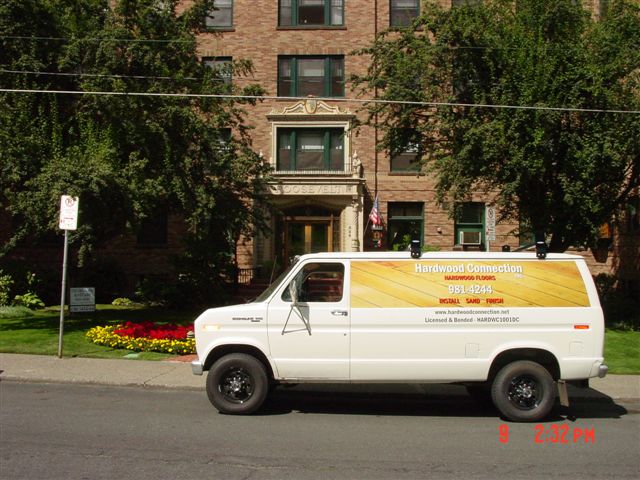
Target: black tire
x=237, y=384
x=524, y=391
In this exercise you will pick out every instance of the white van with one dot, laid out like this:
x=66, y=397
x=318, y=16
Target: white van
x=509, y=326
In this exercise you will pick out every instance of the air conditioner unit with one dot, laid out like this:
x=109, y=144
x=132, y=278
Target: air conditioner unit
x=470, y=238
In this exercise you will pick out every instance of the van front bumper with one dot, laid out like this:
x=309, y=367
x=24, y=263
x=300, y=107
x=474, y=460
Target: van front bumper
x=197, y=368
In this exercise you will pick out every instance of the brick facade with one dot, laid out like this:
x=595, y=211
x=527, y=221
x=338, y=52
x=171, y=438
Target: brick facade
x=255, y=35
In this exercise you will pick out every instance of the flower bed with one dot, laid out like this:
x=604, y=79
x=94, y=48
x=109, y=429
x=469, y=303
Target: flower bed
x=145, y=337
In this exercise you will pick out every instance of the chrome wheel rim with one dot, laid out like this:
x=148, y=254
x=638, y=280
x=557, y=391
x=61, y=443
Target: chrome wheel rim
x=524, y=392
x=235, y=385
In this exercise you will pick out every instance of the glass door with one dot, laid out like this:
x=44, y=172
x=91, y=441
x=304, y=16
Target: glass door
x=307, y=237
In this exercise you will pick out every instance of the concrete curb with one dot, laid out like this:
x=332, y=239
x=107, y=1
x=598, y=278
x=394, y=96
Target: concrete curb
x=178, y=375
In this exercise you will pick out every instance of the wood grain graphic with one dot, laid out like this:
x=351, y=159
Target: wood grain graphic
x=467, y=284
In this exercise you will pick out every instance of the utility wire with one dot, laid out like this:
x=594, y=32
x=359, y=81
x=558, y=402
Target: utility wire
x=97, y=39
x=176, y=40
x=70, y=74
x=329, y=99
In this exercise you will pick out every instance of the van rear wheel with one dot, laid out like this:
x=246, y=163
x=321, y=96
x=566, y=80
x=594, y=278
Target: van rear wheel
x=523, y=391
x=237, y=384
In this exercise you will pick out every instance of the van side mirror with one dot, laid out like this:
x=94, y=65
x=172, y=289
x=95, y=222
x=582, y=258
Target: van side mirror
x=293, y=290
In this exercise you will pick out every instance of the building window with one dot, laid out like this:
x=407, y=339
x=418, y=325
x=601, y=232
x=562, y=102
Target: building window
x=221, y=16
x=315, y=76
x=222, y=67
x=469, y=227
x=406, y=223
x=461, y=3
x=406, y=160
x=403, y=12
x=633, y=215
x=294, y=13
x=526, y=238
x=310, y=149
x=153, y=230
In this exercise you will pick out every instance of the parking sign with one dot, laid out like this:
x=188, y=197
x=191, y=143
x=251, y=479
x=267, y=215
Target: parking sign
x=68, y=213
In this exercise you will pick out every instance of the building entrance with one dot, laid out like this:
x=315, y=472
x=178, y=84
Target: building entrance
x=309, y=230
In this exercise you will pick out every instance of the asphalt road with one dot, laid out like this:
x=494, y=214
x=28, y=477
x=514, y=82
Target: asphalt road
x=96, y=432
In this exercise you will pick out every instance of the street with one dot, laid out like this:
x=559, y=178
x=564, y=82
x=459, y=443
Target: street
x=96, y=432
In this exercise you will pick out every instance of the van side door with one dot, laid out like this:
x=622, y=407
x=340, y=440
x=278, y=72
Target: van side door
x=309, y=334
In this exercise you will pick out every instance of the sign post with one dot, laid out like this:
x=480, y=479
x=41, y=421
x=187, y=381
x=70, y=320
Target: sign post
x=68, y=221
x=490, y=225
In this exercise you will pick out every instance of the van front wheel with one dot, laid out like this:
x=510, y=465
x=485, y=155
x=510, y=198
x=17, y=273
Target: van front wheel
x=523, y=391
x=237, y=384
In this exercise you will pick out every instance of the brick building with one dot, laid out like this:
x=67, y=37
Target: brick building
x=328, y=174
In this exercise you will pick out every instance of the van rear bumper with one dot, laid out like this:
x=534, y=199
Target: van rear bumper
x=599, y=369
x=602, y=370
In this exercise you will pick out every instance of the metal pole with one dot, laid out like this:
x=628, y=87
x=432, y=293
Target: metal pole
x=62, y=294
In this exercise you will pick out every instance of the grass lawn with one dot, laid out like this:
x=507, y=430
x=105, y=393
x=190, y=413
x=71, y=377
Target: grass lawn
x=38, y=333
x=622, y=352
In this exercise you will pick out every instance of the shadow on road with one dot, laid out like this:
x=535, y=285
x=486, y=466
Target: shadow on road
x=425, y=400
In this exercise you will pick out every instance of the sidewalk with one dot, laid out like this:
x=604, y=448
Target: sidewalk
x=51, y=369
x=177, y=375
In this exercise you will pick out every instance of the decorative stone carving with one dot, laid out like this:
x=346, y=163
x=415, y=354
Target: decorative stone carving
x=356, y=166
x=310, y=106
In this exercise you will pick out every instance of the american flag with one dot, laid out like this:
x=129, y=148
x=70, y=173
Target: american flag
x=374, y=216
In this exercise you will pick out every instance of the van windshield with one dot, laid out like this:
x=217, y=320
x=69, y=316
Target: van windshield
x=269, y=290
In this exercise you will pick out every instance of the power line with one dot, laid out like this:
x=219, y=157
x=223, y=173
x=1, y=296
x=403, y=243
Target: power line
x=177, y=40
x=329, y=99
x=97, y=39
x=70, y=74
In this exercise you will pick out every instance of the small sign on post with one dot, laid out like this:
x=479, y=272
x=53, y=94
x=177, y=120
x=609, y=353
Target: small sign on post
x=68, y=213
x=82, y=300
x=68, y=220
x=490, y=224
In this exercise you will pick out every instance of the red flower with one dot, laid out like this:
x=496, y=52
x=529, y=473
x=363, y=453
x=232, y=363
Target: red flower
x=154, y=331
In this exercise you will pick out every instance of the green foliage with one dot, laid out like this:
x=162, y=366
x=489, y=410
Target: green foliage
x=122, y=302
x=561, y=171
x=15, y=312
x=620, y=311
x=123, y=155
x=6, y=282
x=29, y=300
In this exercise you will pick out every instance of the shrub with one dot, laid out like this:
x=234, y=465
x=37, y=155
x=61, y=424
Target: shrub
x=15, y=312
x=6, y=282
x=620, y=310
x=122, y=302
x=29, y=300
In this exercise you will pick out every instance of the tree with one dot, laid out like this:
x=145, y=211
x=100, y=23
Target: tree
x=555, y=167
x=125, y=155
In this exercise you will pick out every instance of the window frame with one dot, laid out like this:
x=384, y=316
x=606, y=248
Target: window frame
x=295, y=15
x=294, y=88
x=410, y=150
x=394, y=219
x=293, y=133
x=219, y=64
x=480, y=227
x=398, y=15
x=211, y=17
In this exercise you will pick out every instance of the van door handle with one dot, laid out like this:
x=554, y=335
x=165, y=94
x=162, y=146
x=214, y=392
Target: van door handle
x=339, y=312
